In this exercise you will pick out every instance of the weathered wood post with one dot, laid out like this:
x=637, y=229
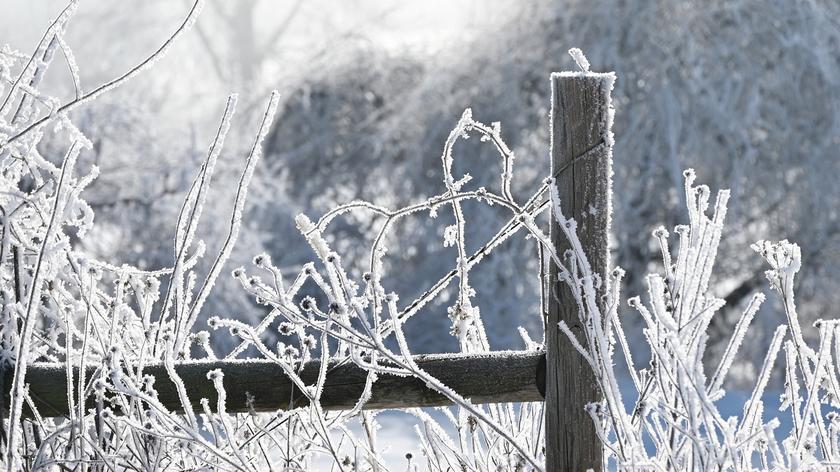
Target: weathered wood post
x=581, y=146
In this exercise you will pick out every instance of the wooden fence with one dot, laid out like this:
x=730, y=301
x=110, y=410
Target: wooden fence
x=580, y=166
x=505, y=376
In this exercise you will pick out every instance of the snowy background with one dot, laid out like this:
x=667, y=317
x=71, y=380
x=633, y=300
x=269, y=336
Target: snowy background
x=744, y=91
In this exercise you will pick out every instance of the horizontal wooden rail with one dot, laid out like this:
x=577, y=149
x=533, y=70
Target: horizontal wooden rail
x=502, y=376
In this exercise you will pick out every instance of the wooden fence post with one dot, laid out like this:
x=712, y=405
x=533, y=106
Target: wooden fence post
x=580, y=162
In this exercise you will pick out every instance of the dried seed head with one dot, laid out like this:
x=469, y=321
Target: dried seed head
x=308, y=303
x=99, y=385
x=202, y=337
x=286, y=328
x=262, y=260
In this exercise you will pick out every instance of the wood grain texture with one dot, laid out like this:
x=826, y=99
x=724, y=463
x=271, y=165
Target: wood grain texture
x=504, y=376
x=580, y=163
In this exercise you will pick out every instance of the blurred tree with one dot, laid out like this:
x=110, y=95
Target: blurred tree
x=741, y=90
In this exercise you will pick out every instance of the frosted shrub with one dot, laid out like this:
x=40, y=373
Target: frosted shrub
x=366, y=324
x=671, y=420
x=104, y=326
